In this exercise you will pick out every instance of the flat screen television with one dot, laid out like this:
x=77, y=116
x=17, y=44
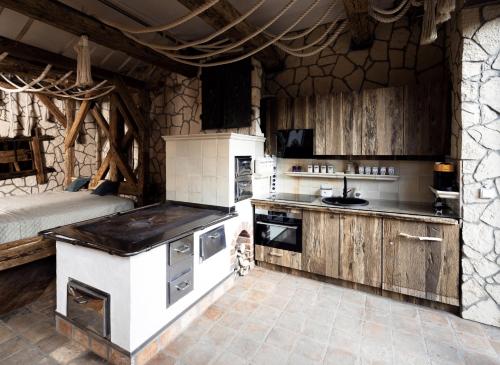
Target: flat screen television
x=295, y=143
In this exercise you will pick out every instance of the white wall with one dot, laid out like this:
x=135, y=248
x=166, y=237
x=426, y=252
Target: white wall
x=200, y=168
x=413, y=185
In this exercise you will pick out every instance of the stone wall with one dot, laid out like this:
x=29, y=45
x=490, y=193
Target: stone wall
x=176, y=109
x=475, y=67
x=395, y=59
x=28, y=110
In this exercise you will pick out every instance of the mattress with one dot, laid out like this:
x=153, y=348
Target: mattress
x=25, y=216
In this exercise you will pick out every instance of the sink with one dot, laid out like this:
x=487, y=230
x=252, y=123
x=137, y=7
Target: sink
x=344, y=202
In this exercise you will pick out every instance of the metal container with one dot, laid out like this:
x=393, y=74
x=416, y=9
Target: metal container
x=180, y=287
x=212, y=242
x=88, y=307
x=180, y=250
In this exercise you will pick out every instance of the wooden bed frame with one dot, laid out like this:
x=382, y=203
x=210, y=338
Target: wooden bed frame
x=27, y=266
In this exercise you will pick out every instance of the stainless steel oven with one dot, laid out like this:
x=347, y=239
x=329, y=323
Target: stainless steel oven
x=242, y=178
x=278, y=229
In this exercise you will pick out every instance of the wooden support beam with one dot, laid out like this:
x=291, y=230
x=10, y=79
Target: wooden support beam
x=13, y=156
x=101, y=172
x=32, y=60
x=223, y=13
x=66, y=18
x=69, y=154
x=53, y=109
x=26, y=250
x=357, y=14
x=36, y=146
x=70, y=138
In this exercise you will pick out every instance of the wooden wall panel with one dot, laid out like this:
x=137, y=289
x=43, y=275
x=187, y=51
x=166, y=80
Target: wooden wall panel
x=352, y=124
x=333, y=129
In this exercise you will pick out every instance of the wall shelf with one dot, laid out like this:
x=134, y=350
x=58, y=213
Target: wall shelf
x=340, y=175
x=445, y=194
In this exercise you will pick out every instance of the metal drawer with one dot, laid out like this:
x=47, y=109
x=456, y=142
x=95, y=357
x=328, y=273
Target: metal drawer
x=179, y=287
x=88, y=307
x=212, y=242
x=180, y=250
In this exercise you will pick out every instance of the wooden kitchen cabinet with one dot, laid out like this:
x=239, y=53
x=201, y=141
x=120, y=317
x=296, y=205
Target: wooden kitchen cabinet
x=382, y=121
x=421, y=260
x=278, y=257
x=426, y=131
x=361, y=249
x=320, y=243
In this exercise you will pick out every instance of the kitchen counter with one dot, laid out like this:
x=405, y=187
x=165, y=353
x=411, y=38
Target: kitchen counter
x=138, y=230
x=387, y=208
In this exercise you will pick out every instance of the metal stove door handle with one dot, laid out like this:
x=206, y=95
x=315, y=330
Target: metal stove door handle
x=183, y=286
x=276, y=225
x=81, y=300
x=214, y=236
x=185, y=249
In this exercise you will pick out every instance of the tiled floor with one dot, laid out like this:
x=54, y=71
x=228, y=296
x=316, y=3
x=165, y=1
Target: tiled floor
x=28, y=336
x=273, y=318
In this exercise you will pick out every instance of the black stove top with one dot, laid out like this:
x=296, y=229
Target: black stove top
x=301, y=198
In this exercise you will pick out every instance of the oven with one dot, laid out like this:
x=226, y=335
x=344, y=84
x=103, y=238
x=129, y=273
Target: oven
x=278, y=229
x=242, y=178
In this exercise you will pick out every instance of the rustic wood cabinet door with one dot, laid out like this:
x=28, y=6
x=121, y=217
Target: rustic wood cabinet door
x=426, y=128
x=361, y=250
x=421, y=260
x=382, y=117
x=320, y=243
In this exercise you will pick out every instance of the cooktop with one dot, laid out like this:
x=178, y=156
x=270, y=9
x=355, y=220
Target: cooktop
x=302, y=198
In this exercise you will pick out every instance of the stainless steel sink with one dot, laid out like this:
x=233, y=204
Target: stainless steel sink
x=344, y=202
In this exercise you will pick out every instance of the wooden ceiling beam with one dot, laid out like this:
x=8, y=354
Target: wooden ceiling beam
x=37, y=58
x=68, y=19
x=359, y=20
x=223, y=13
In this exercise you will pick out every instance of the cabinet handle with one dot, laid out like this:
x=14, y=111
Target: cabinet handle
x=420, y=238
x=184, y=249
x=275, y=254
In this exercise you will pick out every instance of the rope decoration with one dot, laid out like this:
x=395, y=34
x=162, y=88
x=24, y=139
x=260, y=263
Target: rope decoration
x=82, y=89
x=435, y=12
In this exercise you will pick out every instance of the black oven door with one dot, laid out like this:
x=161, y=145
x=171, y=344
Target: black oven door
x=278, y=232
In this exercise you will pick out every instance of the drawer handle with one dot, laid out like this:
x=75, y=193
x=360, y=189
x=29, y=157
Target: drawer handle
x=183, y=286
x=420, y=238
x=185, y=249
x=214, y=236
x=275, y=254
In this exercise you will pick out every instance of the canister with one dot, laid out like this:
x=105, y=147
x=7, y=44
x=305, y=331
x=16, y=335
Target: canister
x=444, y=176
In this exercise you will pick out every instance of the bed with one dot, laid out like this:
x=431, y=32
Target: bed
x=27, y=264
x=24, y=216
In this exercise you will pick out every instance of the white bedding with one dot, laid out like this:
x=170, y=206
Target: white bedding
x=25, y=216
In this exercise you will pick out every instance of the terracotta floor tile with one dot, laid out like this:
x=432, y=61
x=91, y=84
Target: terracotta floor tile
x=5, y=333
x=466, y=326
x=403, y=357
x=296, y=359
x=270, y=355
x=255, y=295
x=218, y=336
x=39, y=331
x=10, y=347
x=343, y=340
x=49, y=344
x=374, y=330
x=350, y=325
x=336, y=356
x=442, y=351
x=88, y=358
x=309, y=348
x=228, y=358
x=266, y=313
x=474, y=358
x=281, y=338
x=475, y=343
x=243, y=346
x=291, y=321
x=276, y=301
x=162, y=359
x=68, y=352
x=201, y=354
x=410, y=343
x=180, y=345
x=256, y=330
x=317, y=331
x=213, y=313
x=233, y=320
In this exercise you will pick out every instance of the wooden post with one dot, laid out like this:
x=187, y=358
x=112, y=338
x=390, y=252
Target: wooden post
x=36, y=147
x=69, y=155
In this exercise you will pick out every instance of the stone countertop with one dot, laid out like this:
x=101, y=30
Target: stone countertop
x=387, y=208
x=132, y=232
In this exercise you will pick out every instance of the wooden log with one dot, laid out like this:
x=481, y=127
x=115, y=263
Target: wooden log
x=26, y=250
x=69, y=141
x=69, y=155
x=53, y=109
x=101, y=172
x=66, y=18
x=357, y=13
x=36, y=148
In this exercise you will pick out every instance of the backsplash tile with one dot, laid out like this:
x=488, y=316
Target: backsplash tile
x=412, y=186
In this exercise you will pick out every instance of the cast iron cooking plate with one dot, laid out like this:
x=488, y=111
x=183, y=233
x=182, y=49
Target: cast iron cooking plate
x=344, y=202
